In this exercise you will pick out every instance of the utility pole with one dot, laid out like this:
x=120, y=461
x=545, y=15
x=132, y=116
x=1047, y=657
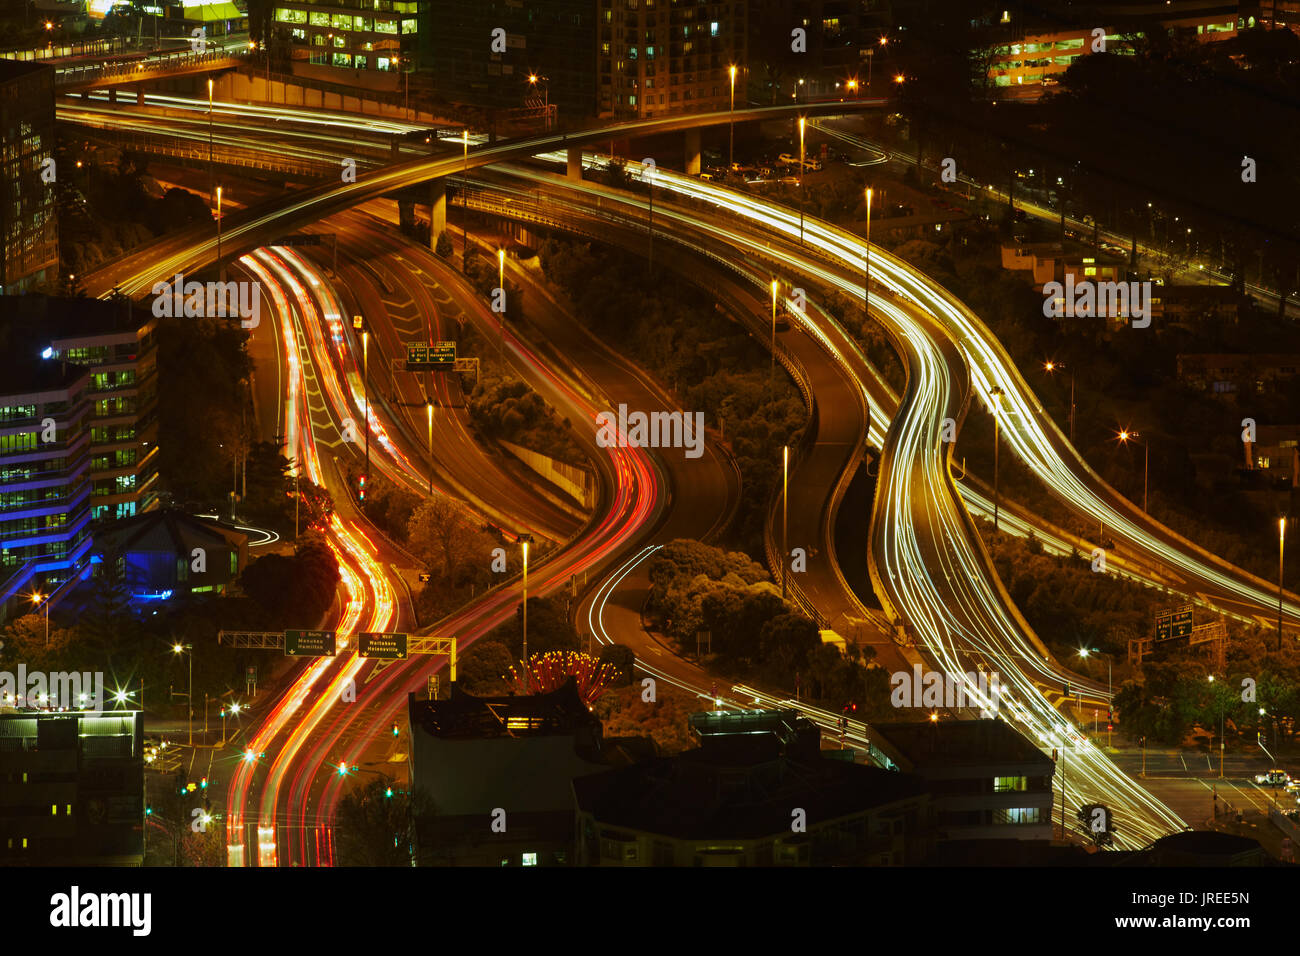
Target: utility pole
x=996, y=394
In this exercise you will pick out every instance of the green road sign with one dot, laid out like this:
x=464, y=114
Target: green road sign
x=391, y=647
x=308, y=643
x=1174, y=622
x=430, y=358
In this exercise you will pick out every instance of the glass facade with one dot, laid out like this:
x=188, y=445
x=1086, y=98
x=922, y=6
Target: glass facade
x=29, y=242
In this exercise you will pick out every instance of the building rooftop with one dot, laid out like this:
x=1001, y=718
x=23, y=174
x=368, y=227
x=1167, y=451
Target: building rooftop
x=18, y=69
x=952, y=743
x=25, y=373
x=54, y=318
x=560, y=711
x=688, y=797
x=167, y=530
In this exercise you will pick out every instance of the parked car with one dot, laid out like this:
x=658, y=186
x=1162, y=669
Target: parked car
x=788, y=159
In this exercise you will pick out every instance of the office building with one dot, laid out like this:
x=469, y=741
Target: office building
x=374, y=36
x=71, y=789
x=29, y=239
x=44, y=475
x=987, y=781
x=757, y=792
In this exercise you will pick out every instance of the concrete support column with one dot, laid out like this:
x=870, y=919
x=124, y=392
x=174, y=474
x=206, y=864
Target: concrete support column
x=395, y=148
x=437, y=209
x=692, y=152
x=112, y=94
x=139, y=94
x=574, y=173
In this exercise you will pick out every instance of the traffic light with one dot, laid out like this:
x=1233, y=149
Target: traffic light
x=394, y=728
x=361, y=488
x=203, y=784
x=148, y=811
x=388, y=792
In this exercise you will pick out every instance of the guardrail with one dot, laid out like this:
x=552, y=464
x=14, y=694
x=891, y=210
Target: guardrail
x=168, y=64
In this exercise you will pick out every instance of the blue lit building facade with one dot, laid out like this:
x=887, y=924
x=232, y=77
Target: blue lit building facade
x=45, y=510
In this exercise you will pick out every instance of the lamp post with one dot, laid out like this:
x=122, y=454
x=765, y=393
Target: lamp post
x=802, y=124
x=212, y=179
x=785, y=497
x=429, y=409
x=772, y=373
x=1282, y=539
x=546, y=94
x=853, y=84
x=996, y=394
x=866, y=261
x=1050, y=367
x=1126, y=436
x=38, y=599
x=731, y=122
x=1110, y=691
x=188, y=649
x=234, y=709
x=365, y=390
x=219, y=267
x=464, y=201
x=501, y=284
x=871, y=57
x=525, y=540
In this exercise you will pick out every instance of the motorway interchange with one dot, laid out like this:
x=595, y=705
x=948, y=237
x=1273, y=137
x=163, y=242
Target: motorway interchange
x=927, y=564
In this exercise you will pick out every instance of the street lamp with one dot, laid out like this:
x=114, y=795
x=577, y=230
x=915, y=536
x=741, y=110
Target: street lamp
x=1050, y=367
x=1110, y=691
x=234, y=708
x=802, y=123
x=188, y=649
x=1126, y=436
x=546, y=94
x=429, y=409
x=731, y=122
x=785, y=497
x=772, y=373
x=866, y=260
x=211, y=175
x=853, y=87
x=501, y=284
x=1282, y=537
x=996, y=394
x=38, y=599
x=464, y=200
x=365, y=390
x=525, y=540
x=219, y=269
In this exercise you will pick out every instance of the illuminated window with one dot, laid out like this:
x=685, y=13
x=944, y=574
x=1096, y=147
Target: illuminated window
x=713, y=28
x=1008, y=784
x=530, y=859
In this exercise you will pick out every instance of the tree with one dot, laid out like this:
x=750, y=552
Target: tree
x=622, y=658
x=484, y=669
x=443, y=247
x=376, y=824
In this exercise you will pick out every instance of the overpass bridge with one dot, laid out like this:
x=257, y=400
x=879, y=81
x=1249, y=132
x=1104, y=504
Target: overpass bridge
x=195, y=248
x=141, y=68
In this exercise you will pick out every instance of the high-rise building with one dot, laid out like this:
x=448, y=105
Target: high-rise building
x=377, y=36
x=44, y=469
x=29, y=240
x=553, y=42
x=670, y=56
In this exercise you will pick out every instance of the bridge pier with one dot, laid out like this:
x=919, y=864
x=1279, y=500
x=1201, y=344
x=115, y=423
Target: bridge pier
x=574, y=171
x=692, y=152
x=112, y=94
x=139, y=94
x=437, y=209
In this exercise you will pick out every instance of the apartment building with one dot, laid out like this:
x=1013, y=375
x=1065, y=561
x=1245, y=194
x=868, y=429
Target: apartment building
x=29, y=237
x=670, y=56
x=44, y=476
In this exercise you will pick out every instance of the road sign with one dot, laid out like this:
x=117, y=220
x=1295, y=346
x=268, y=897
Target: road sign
x=391, y=647
x=440, y=356
x=1174, y=622
x=308, y=643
